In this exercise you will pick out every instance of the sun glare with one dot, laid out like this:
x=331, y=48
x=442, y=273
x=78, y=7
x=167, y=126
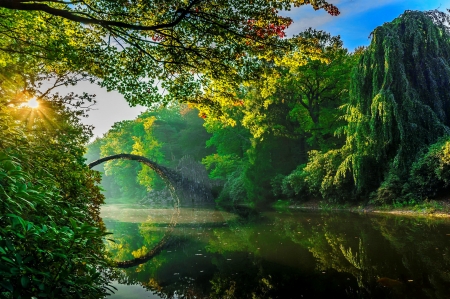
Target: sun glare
x=33, y=103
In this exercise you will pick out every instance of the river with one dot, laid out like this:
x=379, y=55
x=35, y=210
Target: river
x=242, y=253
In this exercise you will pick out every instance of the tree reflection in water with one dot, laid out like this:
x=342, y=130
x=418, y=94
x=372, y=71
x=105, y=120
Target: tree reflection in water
x=245, y=254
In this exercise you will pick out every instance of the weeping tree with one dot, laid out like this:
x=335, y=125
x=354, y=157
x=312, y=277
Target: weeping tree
x=399, y=100
x=398, y=118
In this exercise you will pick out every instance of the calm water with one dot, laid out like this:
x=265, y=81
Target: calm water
x=241, y=253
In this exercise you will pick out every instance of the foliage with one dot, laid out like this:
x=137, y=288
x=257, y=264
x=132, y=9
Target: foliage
x=314, y=77
x=162, y=135
x=430, y=174
x=290, y=108
x=49, y=203
x=43, y=242
x=135, y=137
x=295, y=95
x=247, y=165
x=398, y=109
x=138, y=47
x=321, y=177
x=399, y=97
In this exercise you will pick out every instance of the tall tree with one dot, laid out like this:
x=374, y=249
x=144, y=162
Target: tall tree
x=400, y=101
x=315, y=79
x=398, y=118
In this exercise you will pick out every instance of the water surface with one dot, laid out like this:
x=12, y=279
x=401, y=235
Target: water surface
x=241, y=253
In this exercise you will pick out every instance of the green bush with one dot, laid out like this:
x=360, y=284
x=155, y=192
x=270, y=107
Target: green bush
x=46, y=250
x=51, y=236
x=294, y=184
x=430, y=174
x=390, y=190
x=326, y=176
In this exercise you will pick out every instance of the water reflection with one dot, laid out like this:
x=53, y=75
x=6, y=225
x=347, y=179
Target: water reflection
x=245, y=254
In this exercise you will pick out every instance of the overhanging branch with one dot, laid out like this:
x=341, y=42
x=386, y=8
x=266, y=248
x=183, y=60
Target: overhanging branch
x=76, y=17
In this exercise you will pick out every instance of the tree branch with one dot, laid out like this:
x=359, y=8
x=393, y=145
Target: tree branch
x=74, y=16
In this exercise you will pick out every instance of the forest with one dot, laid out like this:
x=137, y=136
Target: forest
x=319, y=122
x=268, y=117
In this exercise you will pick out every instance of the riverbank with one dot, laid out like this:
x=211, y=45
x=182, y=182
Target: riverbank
x=431, y=208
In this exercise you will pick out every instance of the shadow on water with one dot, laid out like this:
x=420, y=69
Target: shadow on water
x=241, y=253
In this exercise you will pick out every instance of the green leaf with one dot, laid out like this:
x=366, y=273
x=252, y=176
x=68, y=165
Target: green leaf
x=24, y=281
x=7, y=285
x=18, y=259
x=14, y=270
x=73, y=223
x=8, y=260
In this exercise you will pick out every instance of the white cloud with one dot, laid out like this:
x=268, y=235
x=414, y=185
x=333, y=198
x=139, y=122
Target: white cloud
x=305, y=17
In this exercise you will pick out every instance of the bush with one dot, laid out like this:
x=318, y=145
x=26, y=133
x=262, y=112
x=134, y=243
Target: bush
x=325, y=176
x=430, y=174
x=295, y=183
x=45, y=247
x=51, y=236
x=389, y=191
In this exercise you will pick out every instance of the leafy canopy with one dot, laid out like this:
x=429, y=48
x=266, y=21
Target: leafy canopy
x=139, y=47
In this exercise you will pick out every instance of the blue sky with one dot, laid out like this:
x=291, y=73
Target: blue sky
x=358, y=17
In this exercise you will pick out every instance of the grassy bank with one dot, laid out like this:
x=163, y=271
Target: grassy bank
x=434, y=208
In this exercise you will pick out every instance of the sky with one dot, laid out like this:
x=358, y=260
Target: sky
x=357, y=20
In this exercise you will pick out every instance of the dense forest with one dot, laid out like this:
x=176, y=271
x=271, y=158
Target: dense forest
x=318, y=122
x=269, y=117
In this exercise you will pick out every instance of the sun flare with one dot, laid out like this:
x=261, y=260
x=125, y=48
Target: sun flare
x=33, y=103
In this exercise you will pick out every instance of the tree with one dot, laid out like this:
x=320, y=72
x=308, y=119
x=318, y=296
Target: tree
x=163, y=135
x=132, y=46
x=399, y=102
x=133, y=179
x=291, y=108
x=296, y=94
x=315, y=83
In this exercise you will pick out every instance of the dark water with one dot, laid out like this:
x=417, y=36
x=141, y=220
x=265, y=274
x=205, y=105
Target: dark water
x=241, y=253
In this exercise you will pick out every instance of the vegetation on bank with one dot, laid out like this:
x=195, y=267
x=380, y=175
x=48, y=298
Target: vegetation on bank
x=434, y=208
x=51, y=234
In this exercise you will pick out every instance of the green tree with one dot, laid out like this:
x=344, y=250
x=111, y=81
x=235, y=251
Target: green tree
x=315, y=83
x=136, y=46
x=164, y=135
x=134, y=179
x=292, y=108
x=399, y=100
x=397, y=117
x=297, y=94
